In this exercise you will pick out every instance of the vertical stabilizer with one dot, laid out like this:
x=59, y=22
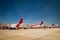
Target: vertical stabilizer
x=41, y=24
x=19, y=23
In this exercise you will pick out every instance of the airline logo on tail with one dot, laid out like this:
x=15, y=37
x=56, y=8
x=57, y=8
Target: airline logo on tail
x=19, y=23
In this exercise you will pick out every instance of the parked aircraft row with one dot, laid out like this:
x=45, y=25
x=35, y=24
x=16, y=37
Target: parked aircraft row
x=21, y=25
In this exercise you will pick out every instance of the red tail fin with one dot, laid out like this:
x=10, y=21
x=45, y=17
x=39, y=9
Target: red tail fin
x=41, y=23
x=20, y=22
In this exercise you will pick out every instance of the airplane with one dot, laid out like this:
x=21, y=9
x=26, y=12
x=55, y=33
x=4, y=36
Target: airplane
x=16, y=26
x=34, y=26
x=21, y=25
x=11, y=26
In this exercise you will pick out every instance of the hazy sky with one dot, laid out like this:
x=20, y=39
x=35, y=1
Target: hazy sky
x=32, y=11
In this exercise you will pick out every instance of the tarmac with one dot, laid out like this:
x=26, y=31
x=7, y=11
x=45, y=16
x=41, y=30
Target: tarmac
x=31, y=34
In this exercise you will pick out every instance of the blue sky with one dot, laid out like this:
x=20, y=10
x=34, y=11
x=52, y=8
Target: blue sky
x=32, y=11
